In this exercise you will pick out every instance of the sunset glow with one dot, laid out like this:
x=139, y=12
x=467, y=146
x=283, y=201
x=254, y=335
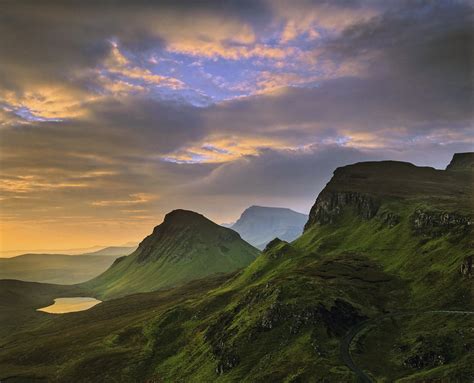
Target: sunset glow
x=111, y=116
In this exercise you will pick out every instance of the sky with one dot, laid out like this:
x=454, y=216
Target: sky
x=113, y=113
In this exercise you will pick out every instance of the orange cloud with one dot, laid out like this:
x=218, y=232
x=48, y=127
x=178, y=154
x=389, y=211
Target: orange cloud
x=221, y=49
x=136, y=198
x=220, y=149
x=43, y=101
x=25, y=184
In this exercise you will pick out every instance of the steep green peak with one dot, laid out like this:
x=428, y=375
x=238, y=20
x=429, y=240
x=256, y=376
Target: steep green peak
x=185, y=246
x=462, y=161
x=180, y=233
x=181, y=217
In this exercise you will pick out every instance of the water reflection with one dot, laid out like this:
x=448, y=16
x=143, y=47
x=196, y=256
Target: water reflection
x=69, y=305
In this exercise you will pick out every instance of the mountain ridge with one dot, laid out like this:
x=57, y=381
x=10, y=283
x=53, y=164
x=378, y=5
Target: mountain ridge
x=258, y=225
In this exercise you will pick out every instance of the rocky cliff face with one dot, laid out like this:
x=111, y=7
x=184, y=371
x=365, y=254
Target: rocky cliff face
x=330, y=205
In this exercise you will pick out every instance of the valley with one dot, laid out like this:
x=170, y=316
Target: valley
x=60, y=268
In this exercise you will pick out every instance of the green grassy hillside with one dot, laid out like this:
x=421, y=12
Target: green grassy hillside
x=184, y=247
x=19, y=300
x=385, y=243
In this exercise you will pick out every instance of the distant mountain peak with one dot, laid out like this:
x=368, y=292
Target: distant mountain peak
x=260, y=224
x=256, y=209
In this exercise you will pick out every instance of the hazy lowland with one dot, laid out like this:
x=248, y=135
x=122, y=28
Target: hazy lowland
x=378, y=287
x=60, y=268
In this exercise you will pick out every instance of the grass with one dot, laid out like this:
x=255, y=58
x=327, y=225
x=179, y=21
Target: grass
x=441, y=343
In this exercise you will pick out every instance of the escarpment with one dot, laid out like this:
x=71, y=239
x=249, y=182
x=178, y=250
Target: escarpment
x=330, y=205
x=367, y=188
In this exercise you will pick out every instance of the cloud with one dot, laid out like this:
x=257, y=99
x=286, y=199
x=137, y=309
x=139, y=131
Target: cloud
x=311, y=19
x=291, y=173
x=105, y=107
x=118, y=65
x=135, y=199
x=50, y=67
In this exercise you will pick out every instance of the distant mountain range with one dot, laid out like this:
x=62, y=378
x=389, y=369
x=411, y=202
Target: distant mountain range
x=258, y=225
x=114, y=251
x=184, y=247
x=60, y=268
x=75, y=251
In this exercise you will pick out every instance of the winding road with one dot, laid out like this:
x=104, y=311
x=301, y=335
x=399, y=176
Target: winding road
x=354, y=331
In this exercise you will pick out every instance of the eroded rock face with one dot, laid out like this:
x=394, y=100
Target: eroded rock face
x=466, y=267
x=433, y=223
x=330, y=205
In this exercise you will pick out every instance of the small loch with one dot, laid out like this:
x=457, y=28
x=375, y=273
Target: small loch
x=69, y=305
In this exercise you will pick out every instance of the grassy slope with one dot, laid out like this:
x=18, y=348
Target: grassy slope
x=281, y=318
x=54, y=268
x=19, y=300
x=106, y=342
x=439, y=344
x=186, y=246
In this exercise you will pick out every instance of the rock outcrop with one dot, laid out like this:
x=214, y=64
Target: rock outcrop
x=278, y=248
x=466, y=267
x=435, y=223
x=330, y=205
